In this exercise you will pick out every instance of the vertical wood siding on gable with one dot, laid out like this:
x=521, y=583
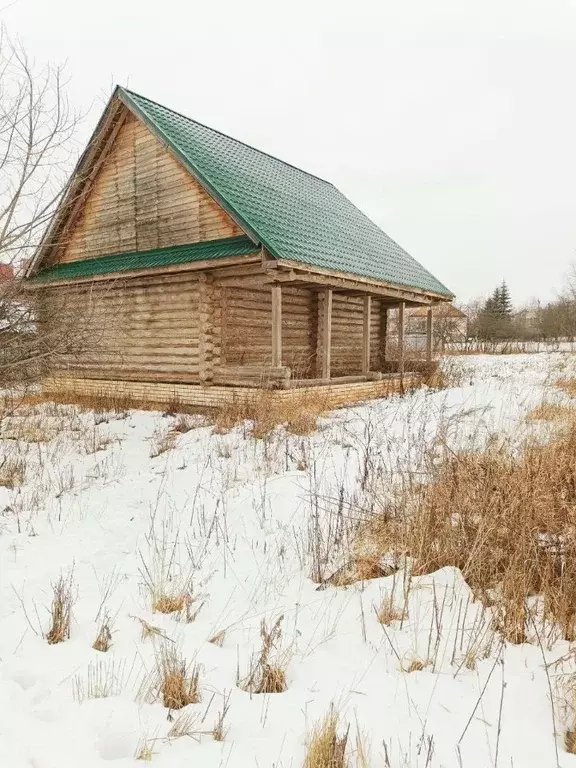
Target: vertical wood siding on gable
x=143, y=198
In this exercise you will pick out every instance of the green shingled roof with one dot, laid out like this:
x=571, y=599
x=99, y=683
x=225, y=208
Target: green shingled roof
x=159, y=257
x=294, y=214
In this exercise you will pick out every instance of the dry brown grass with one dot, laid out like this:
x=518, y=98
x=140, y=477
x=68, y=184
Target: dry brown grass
x=564, y=694
x=358, y=568
x=103, y=640
x=219, y=730
x=415, y=664
x=30, y=429
x=177, y=601
x=508, y=522
x=173, y=681
x=548, y=411
x=268, y=669
x=567, y=385
x=326, y=748
x=144, y=750
x=61, y=610
x=184, y=725
x=171, y=603
x=162, y=441
x=93, y=440
x=185, y=423
x=218, y=638
x=103, y=679
x=118, y=404
x=389, y=611
x=12, y=471
x=149, y=630
x=299, y=413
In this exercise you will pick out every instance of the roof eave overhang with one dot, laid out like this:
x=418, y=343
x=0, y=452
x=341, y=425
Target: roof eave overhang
x=299, y=270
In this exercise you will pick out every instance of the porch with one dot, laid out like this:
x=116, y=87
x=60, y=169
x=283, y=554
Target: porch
x=377, y=345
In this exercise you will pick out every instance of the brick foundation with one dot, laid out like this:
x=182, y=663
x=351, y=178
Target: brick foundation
x=214, y=396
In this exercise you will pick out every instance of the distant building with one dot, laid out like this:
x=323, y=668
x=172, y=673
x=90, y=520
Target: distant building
x=450, y=326
x=6, y=272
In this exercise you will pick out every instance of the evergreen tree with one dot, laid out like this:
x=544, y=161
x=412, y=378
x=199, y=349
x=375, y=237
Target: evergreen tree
x=495, y=321
x=505, y=309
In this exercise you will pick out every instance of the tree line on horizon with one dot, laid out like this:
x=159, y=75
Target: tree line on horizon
x=496, y=318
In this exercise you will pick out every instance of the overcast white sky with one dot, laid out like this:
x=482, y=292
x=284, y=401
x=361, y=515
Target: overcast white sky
x=452, y=123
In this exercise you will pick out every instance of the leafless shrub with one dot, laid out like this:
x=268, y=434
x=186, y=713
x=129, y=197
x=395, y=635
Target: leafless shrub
x=267, y=674
x=61, y=610
x=327, y=748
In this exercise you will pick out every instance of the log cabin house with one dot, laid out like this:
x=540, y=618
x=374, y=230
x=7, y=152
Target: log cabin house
x=207, y=267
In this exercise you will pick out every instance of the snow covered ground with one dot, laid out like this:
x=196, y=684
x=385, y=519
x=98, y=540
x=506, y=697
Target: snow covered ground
x=243, y=521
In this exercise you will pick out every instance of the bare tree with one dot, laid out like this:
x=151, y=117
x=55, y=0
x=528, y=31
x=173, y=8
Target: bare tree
x=36, y=146
x=448, y=328
x=37, y=130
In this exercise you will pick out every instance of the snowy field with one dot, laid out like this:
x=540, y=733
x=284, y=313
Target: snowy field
x=241, y=525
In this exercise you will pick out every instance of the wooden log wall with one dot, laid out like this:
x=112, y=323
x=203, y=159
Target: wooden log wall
x=142, y=329
x=142, y=198
x=246, y=328
x=187, y=328
x=347, y=334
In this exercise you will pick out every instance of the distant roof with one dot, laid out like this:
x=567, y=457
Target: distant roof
x=6, y=272
x=444, y=310
x=295, y=215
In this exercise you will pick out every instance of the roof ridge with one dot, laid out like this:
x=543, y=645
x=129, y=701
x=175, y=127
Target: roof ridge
x=227, y=136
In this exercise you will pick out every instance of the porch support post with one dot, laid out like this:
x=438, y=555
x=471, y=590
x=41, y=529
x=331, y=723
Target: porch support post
x=401, y=335
x=429, y=333
x=276, y=326
x=366, y=334
x=383, y=334
x=326, y=333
